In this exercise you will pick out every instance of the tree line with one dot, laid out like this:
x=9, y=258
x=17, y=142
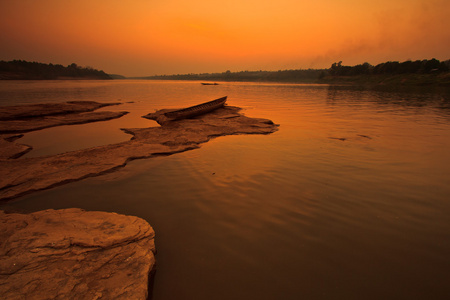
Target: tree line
x=392, y=67
x=432, y=66
x=20, y=69
x=309, y=75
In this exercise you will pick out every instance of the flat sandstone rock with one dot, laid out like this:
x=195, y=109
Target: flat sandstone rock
x=25, y=175
x=24, y=118
x=15, y=112
x=74, y=254
x=9, y=149
x=36, y=123
x=18, y=119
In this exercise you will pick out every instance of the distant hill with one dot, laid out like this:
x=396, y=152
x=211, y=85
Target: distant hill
x=23, y=70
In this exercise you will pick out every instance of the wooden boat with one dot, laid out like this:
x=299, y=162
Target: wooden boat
x=196, y=110
x=208, y=83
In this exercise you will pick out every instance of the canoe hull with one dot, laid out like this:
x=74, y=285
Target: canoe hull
x=196, y=110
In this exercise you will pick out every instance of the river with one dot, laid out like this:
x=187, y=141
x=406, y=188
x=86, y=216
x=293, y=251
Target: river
x=350, y=199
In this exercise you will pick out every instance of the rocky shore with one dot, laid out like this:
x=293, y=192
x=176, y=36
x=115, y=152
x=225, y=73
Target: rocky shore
x=22, y=176
x=71, y=253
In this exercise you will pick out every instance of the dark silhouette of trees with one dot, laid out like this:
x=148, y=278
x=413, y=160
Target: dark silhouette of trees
x=313, y=75
x=309, y=75
x=337, y=69
x=20, y=69
x=391, y=67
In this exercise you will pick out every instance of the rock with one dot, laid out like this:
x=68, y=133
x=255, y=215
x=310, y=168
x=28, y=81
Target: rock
x=9, y=149
x=24, y=118
x=75, y=254
x=25, y=125
x=49, y=109
x=22, y=176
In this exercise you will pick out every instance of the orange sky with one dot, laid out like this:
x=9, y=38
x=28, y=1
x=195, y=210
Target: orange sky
x=148, y=37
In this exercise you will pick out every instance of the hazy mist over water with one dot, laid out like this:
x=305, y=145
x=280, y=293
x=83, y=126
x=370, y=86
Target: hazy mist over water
x=348, y=200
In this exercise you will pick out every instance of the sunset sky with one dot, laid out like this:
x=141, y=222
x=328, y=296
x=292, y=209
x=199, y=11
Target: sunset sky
x=149, y=37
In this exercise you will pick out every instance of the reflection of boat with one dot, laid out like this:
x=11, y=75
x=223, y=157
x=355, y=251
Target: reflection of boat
x=196, y=110
x=209, y=83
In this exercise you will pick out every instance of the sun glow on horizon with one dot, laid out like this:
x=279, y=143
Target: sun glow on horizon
x=146, y=38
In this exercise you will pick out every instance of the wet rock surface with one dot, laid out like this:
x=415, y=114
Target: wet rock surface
x=24, y=118
x=75, y=254
x=16, y=112
x=19, y=119
x=36, y=123
x=9, y=149
x=22, y=176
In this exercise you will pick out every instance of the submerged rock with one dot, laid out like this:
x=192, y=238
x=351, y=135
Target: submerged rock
x=22, y=176
x=75, y=254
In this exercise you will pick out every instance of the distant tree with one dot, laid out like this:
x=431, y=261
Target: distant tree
x=408, y=67
x=335, y=68
x=363, y=69
x=445, y=66
x=431, y=65
x=322, y=74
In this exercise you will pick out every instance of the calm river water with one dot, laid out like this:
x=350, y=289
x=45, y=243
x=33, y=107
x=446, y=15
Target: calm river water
x=350, y=199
